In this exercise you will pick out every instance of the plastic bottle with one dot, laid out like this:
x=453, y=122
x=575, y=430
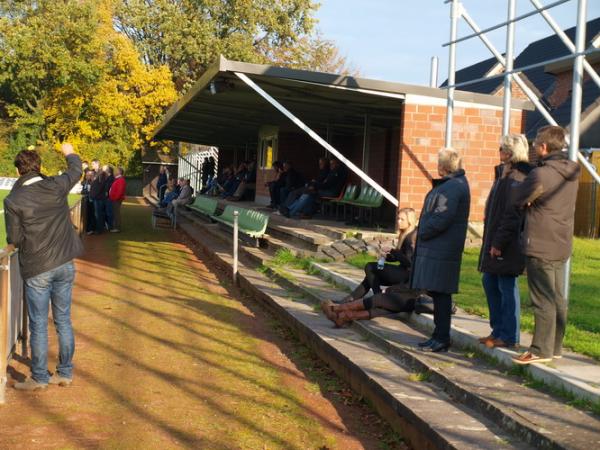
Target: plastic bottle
x=381, y=263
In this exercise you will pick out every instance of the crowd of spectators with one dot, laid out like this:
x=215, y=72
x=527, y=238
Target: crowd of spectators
x=529, y=221
x=103, y=193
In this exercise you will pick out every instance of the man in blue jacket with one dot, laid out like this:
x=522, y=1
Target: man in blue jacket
x=38, y=224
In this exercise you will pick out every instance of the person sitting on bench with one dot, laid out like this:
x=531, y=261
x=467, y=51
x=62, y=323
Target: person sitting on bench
x=185, y=197
x=330, y=187
x=295, y=194
x=247, y=184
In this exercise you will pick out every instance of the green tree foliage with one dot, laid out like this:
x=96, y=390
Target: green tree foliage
x=188, y=35
x=66, y=73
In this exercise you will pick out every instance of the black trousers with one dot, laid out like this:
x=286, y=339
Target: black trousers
x=388, y=276
x=442, y=313
x=389, y=303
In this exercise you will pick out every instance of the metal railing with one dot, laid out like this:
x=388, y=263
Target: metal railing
x=13, y=308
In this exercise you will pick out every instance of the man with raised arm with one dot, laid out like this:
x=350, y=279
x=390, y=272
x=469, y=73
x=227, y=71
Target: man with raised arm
x=38, y=224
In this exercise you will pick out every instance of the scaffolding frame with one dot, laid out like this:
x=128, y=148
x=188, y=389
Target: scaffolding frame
x=577, y=53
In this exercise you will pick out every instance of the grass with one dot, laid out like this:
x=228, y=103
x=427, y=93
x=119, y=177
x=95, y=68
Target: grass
x=73, y=198
x=583, y=329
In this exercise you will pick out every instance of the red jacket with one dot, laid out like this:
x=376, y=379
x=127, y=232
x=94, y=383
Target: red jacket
x=117, y=190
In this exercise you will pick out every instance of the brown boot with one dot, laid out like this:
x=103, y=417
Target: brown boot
x=344, y=317
x=327, y=308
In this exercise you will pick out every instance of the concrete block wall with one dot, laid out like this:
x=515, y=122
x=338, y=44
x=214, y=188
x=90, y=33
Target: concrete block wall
x=476, y=135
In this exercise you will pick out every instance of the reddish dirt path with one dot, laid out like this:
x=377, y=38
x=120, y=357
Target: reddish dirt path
x=168, y=356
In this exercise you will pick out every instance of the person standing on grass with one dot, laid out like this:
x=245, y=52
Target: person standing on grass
x=548, y=195
x=38, y=224
x=441, y=235
x=501, y=260
x=116, y=195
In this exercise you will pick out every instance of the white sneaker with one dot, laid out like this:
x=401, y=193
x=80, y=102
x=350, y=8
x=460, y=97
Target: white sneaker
x=60, y=381
x=115, y=230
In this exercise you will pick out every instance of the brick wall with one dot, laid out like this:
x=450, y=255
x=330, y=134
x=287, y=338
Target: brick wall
x=476, y=135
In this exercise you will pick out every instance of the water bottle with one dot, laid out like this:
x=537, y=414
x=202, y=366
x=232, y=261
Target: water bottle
x=381, y=263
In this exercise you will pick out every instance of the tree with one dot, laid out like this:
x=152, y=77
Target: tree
x=188, y=35
x=79, y=79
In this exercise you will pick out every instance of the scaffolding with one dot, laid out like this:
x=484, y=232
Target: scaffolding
x=510, y=74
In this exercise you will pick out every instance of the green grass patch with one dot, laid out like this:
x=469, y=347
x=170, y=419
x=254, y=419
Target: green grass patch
x=419, y=377
x=583, y=328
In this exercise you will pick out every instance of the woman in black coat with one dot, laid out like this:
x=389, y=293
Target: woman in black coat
x=440, y=244
x=397, y=298
x=501, y=260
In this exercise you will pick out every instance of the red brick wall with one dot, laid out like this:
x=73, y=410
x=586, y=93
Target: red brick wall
x=476, y=135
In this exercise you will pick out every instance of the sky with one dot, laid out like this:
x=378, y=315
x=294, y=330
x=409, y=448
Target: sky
x=394, y=40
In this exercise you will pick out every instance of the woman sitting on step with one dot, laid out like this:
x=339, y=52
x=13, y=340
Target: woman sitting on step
x=397, y=297
x=377, y=274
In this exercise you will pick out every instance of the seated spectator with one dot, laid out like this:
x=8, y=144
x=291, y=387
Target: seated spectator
x=215, y=185
x=293, y=180
x=395, y=299
x=232, y=184
x=247, y=184
x=391, y=274
x=184, y=197
x=171, y=192
x=296, y=193
x=276, y=183
x=333, y=184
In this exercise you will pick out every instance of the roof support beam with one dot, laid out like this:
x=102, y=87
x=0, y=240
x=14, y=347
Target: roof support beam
x=319, y=139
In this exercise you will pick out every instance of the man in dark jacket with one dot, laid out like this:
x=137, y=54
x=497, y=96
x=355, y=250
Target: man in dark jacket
x=440, y=244
x=548, y=195
x=501, y=260
x=38, y=224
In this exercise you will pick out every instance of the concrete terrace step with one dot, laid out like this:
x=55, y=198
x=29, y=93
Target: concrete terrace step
x=426, y=416
x=575, y=373
x=536, y=417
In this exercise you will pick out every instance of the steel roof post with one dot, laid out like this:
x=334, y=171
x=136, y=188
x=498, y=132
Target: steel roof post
x=455, y=12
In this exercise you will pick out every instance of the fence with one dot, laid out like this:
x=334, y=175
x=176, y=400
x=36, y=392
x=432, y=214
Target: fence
x=13, y=309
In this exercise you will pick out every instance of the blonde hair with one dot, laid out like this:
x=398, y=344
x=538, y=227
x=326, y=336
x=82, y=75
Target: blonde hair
x=449, y=160
x=517, y=146
x=411, y=218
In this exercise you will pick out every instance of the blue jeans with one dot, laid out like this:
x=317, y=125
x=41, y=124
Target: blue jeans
x=301, y=205
x=99, y=212
x=108, y=212
x=503, y=298
x=51, y=287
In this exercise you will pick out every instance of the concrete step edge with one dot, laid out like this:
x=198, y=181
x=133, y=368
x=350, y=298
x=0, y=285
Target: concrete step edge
x=409, y=421
x=464, y=339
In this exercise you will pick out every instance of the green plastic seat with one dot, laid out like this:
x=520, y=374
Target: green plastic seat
x=204, y=205
x=250, y=222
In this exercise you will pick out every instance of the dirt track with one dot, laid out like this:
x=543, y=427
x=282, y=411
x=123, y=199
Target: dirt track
x=169, y=356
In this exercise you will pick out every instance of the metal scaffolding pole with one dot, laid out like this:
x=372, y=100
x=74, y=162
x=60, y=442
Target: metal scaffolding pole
x=455, y=12
x=576, y=105
x=510, y=48
x=353, y=167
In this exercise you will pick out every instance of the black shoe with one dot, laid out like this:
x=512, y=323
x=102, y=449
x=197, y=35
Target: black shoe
x=437, y=347
x=426, y=343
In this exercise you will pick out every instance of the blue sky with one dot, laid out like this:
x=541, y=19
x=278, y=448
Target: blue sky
x=394, y=40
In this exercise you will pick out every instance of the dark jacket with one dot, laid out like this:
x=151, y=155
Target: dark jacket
x=38, y=221
x=322, y=175
x=503, y=222
x=335, y=180
x=548, y=195
x=441, y=235
x=404, y=254
x=293, y=179
x=98, y=190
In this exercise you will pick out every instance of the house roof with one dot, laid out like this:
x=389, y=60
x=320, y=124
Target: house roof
x=542, y=50
x=222, y=110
